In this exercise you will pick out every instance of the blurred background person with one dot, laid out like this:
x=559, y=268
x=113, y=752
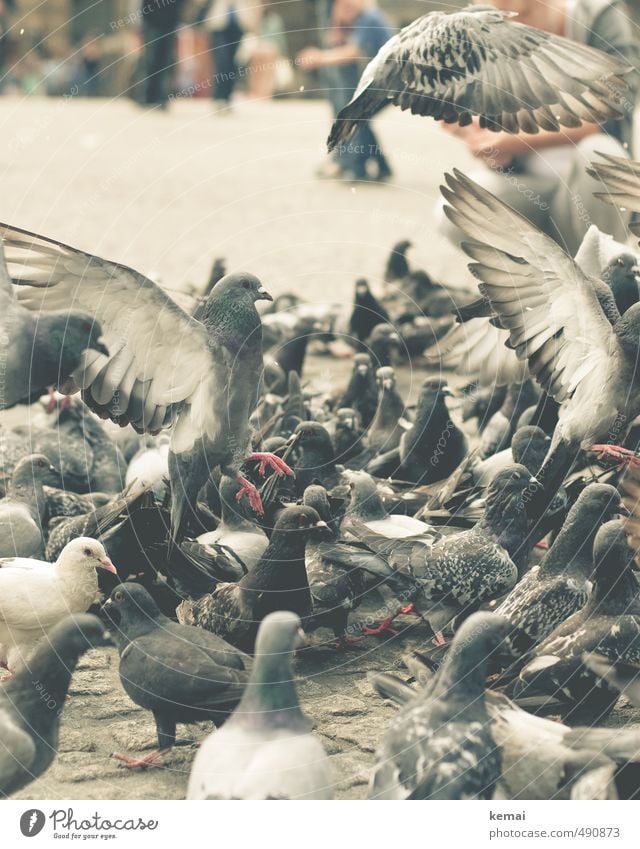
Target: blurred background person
x=85, y=76
x=160, y=22
x=265, y=56
x=543, y=176
x=354, y=31
x=228, y=22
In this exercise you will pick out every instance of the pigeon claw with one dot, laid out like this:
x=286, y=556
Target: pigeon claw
x=383, y=628
x=624, y=455
x=271, y=461
x=151, y=761
x=248, y=489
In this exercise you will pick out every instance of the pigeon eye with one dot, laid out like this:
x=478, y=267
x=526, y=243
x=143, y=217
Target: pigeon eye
x=87, y=552
x=119, y=596
x=620, y=261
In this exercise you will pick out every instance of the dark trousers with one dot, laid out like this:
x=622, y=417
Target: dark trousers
x=159, y=61
x=224, y=46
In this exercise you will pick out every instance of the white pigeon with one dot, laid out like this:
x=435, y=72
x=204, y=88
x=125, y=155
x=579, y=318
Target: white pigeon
x=265, y=750
x=34, y=595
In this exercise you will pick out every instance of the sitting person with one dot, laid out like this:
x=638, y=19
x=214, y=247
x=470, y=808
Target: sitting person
x=543, y=176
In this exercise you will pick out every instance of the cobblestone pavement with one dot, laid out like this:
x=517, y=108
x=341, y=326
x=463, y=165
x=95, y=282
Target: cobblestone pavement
x=166, y=193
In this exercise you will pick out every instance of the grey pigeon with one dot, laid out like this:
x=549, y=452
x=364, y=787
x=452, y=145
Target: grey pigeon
x=440, y=745
x=41, y=350
x=164, y=366
x=265, y=750
x=564, y=322
x=478, y=62
x=179, y=673
x=23, y=508
x=32, y=701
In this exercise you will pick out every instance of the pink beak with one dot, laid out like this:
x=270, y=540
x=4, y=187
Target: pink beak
x=108, y=565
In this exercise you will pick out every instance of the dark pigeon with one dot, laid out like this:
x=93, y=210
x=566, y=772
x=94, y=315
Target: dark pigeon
x=278, y=582
x=397, y=267
x=367, y=313
x=31, y=702
x=180, y=674
x=361, y=392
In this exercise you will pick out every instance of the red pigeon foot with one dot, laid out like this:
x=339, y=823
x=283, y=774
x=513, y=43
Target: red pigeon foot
x=383, y=628
x=624, y=455
x=438, y=639
x=151, y=761
x=247, y=488
x=267, y=459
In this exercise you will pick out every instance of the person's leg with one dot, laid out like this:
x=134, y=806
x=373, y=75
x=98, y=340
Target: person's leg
x=159, y=61
x=574, y=208
x=529, y=195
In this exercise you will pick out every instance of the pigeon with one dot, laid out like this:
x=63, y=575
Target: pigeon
x=462, y=571
x=478, y=62
x=316, y=458
x=367, y=313
x=556, y=589
x=622, y=274
x=623, y=676
x=500, y=428
x=366, y=506
x=43, y=350
x=241, y=539
x=265, y=750
x=35, y=596
x=432, y=448
x=440, y=745
x=335, y=590
x=62, y=503
x=97, y=522
x=609, y=624
x=361, y=392
x=179, y=673
x=289, y=355
x=151, y=466
x=389, y=422
x=163, y=365
x=23, y=508
x=621, y=178
x=397, y=266
x=32, y=701
x=563, y=322
x=529, y=446
x=279, y=581
x=383, y=344
x=347, y=434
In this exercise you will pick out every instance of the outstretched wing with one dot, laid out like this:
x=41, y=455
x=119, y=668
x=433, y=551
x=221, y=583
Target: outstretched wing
x=158, y=355
x=478, y=349
x=621, y=178
x=479, y=62
x=548, y=305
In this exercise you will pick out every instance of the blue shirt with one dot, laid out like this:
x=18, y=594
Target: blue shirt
x=370, y=30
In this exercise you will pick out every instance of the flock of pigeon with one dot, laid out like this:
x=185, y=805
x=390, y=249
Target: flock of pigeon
x=508, y=526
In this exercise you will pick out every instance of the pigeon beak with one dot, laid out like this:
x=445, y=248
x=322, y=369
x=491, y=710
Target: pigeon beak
x=106, y=564
x=534, y=480
x=321, y=524
x=387, y=384
x=446, y=391
x=53, y=470
x=623, y=511
x=100, y=346
x=301, y=639
x=393, y=337
x=362, y=369
x=263, y=295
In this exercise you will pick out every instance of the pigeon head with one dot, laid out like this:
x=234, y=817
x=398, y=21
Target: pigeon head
x=463, y=674
x=230, y=311
x=386, y=378
x=316, y=497
x=432, y=407
x=529, y=447
x=505, y=507
x=623, y=276
x=362, y=288
x=131, y=611
x=365, y=501
x=35, y=468
x=314, y=436
x=70, y=333
x=79, y=633
x=362, y=365
x=301, y=522
x=601, y=502
x=347, y=419
x=85, y=552
x=612, y=556
x=279, y=635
